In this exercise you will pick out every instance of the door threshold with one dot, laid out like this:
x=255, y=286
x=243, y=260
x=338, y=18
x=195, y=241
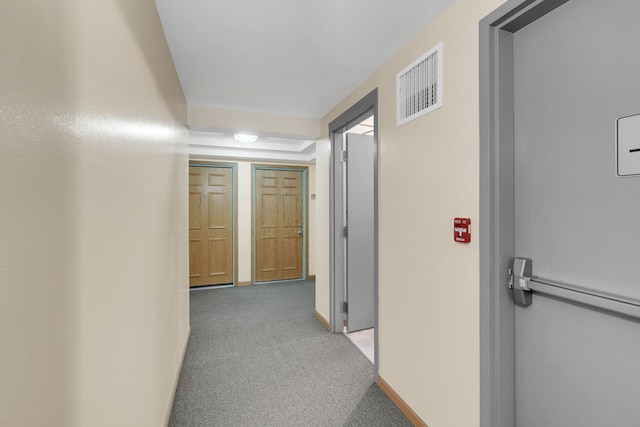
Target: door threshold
x=203, y=288
x=364, y=341
x=281, y=281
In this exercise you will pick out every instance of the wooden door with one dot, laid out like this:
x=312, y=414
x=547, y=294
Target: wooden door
x=279, y=224
x=210, y=226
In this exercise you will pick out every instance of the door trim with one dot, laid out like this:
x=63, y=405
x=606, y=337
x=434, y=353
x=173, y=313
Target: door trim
x=234, y=203
x=365, y=107
x=497, y=230
x=305, y=217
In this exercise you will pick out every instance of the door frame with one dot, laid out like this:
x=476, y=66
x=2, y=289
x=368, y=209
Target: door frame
x=305, y=217
x=234, y=205
x=365, y=107
x=497, y=225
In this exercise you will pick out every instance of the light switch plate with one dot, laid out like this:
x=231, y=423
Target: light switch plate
x=628, y=145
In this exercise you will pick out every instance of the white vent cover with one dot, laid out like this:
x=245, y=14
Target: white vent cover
x=419, y=86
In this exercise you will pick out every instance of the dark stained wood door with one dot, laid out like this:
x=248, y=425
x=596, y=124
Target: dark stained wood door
x=279, y=224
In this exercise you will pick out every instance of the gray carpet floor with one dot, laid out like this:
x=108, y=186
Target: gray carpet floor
x=258, y=357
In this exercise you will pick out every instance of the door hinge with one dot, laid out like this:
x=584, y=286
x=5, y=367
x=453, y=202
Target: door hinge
x=344, y=307
x=345, y=231
x=343, y=156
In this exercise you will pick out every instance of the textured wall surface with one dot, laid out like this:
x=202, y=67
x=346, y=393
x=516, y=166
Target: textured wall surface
x=93, y=230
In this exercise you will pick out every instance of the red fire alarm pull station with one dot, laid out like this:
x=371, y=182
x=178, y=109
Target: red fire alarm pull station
x=462, y=230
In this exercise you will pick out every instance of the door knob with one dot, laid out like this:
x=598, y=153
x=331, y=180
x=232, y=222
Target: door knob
x=300, y=233
x=299, y=225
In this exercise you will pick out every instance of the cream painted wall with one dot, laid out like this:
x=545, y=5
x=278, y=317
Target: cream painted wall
x=323, y=155
x=93, y=239
x=428, y=174
x=311, y=232
x=244, y=222
x=245, y=207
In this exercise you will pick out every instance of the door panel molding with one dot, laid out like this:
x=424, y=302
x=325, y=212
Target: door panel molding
x=214, y=215
x=269, y=260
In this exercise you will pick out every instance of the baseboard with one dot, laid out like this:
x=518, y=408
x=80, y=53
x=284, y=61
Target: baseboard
x=322, y=320
x=244, y=284
x=401, y=404
x=177, y=378
x=311, y=277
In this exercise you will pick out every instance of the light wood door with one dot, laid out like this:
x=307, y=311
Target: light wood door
x=210, y=226
x=279, y=224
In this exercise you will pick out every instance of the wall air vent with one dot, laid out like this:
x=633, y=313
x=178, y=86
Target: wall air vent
x=419, y=86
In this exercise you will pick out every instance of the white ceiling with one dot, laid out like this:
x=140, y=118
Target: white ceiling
x=221, y=145
x=224, y=146
x=291, y=57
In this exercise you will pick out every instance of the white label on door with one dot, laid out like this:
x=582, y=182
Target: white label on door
x=628, y=148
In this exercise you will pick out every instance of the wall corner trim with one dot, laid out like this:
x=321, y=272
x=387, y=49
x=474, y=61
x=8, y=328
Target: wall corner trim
x=401, y=404
x=167, y=417
x=322, y=320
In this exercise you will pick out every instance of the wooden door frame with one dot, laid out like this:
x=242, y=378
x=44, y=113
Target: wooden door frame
x=497, y=216
x=305, y=216
x=234, y=205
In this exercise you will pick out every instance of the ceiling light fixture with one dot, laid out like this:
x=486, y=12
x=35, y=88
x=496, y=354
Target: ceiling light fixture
x=245, y=137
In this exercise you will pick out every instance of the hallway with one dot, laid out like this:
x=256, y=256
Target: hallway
x=97, y=133
x=258, y=357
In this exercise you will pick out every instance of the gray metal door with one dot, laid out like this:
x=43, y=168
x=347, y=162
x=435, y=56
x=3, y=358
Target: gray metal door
x=576, y=70
x=360, y=240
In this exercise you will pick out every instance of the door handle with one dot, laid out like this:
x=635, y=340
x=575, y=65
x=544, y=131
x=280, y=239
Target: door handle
x=299, y=225
x=519, y=278
x=299, y=233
